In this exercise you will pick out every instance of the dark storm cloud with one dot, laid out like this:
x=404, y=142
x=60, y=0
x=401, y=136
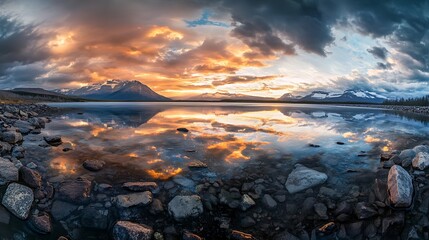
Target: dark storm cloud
x=378, y=52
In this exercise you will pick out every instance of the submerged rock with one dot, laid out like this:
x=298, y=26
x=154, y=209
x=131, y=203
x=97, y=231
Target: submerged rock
x=93, y=165
x=18, y=200
x=302, y=178
x=41, y=223
x=8, y=172
x=140, y=186
x=399, y=187
x=125, y=230
x=134, y=199
x=421, y=160
x=75, y=191
x=95, y=217
x=53, y=140
x=182, y=207
x=61, y=210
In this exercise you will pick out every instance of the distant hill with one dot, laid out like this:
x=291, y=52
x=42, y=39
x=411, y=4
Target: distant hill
x=118, y=90
x=34, y=94
x=348, y=96
x=218, y=96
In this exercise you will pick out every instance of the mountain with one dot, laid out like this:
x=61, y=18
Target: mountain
x=39, y=94
x=289, y=97
x=120, y=90
x=219, y=96
x=348, y=96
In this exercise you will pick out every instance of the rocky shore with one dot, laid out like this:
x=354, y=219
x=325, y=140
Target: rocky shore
x=254, y=205
x=423, y=110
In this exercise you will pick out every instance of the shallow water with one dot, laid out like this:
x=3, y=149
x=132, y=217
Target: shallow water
x=139, y=141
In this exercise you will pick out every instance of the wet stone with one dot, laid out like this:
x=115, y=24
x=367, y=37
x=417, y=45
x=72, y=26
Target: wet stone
x=302, y=178
x=41, y=223
x=321, y=210
x=237, y=235
x=8, y=171
x=269, y=202
x=53, y=140
x=247, y=222
x=140, y=186
x=400, y=187
x=182, y=207
x=365, y=210
x=75, y=191
x=125, y=230
x=18, y=200
x=30, y=177
x=61, y=210
x=134, y=199
x=93, y=165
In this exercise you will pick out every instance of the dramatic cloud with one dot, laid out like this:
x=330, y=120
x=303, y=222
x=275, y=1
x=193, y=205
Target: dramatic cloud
x=180, y=47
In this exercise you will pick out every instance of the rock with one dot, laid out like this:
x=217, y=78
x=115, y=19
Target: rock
x=32, y=165
x=125, y=230
x=302, y=178
x=196, y=165
x=182, y=207
x=365, y=210
x=313, y=145
x=30, y=177
x=61, y=210
x=392, y=225
x=185, y=130
x=285, y=235
x=11, y=137
x=140, y=186
x=247, y=186
x=75, y=191
x=407, y=156
x=134, y=199
x=156, y=207
x=93, y=165
x=53, y=140
x=247, y=222
x=354, y=229
x=328, y=228
x=421, y=148
x=321, y=210
x=18, y=200
x=269, y=202
x=237, y=235
x=18, y=152
x=399, y=187
x=340, y=143
x=380, y=190
x=190, y=236
x=343, y=208
x=4, y=215
x=95, y=217
x=8, y=172
x=5, y=148
x=40, y=223
x=246, y=202
x=421, y=160
x=24, y=126
x=184, y=182
x=68, y=146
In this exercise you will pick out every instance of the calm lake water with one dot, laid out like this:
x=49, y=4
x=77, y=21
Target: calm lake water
x=139, y=141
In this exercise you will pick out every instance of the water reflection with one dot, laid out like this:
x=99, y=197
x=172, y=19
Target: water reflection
x=139, y=140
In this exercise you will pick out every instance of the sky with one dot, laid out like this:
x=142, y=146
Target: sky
x=181, y=48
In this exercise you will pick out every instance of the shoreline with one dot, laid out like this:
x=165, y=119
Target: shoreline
x=189, y=207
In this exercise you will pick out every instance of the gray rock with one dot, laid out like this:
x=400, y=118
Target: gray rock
x=8, y=172
x=285, y=235
x=247, y=186
x=24, y=126
x=5, y=148
x=156, y=207
x=302, y=178
x=41, y=223
x=140, y=186
x=365, y=210
x=246, y=202
x=196, y=165
x=53, y=140
x=75, y=191
x=134, y=199
x=18, y=200
x=247, y=222
x=11, y=137
x=61, y=210
x=392, y=225
x=18, y=152
x=269, y=202
x=95, y=217
x=399, y=187
x=421, y=160
x=182, y=207
x=93, y=165
x=321, y=210
x=184, y=182
x=125, y=230
x=421, y=148
x=407, y=156
x=30, y=177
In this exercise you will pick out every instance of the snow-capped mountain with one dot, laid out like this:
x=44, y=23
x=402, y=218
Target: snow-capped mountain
x=219, y=96
x=116, y=90
x=348, y=96
x=289, y=97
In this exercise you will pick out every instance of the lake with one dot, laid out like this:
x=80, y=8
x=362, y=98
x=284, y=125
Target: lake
x=238, y=142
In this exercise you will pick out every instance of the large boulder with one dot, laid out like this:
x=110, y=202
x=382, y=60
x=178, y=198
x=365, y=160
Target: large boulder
x=125, y=230
x=421, y=160
x=75, y=191
x=134, y=199
x=18, y=200
x=8, y=172
x=12, y=137
x=182, y=207
x=406, y=157
x=302, y=178
x=399, y=187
